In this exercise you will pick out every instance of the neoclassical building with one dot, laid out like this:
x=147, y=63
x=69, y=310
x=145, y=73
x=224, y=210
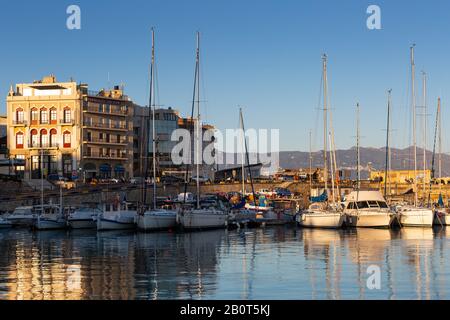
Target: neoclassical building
x=63, y=128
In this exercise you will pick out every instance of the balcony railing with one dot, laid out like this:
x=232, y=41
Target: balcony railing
x=114, y=112
x=44, y=121
x=19, y=123
x=106, y=125
x=104, y=141
x=38, y=145
x=98, y=155
x=67, y=121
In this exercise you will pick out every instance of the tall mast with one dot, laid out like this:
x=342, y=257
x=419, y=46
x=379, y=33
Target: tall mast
x=147, y=123
x=388, y=151
x=333, y=153
x=424, y=87
x=331, y=167
x=437, y=125
x=193, y=122
x=413, y=106
x=440, y=144
x=358, y=158
x=325, y=121
x=198, y=121
x=242, y=152
x=153, y=120
x=248, y=159
x=310, y=164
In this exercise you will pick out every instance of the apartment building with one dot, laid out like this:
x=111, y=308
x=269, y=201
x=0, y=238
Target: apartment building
x=63, y=128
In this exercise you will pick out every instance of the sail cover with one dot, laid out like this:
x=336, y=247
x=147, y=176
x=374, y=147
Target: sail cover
x=322, y=198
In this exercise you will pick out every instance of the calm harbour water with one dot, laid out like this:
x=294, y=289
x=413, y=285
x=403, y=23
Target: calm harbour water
x=266, y=263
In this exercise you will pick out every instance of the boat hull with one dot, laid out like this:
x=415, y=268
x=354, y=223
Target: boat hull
x=321, y=220
x=48, y=224
x=368, y=220
x=82, y=223
x=149, y=222
x=22, y=222
x=193, y=220
x=107, y=224
x=416, y=218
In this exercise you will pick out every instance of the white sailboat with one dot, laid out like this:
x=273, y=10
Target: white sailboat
x=155, y=218
x=441, y=214
x=323, y=215
x=414, y=216
x=22, y=216
x=83, y=218
x=202, y=214
x=116, y=216
x=50, y=217
x=365, y=208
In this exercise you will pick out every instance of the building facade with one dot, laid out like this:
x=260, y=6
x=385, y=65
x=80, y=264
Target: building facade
x=167, y=120
x=63, y=128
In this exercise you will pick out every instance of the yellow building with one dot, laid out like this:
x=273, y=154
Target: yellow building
x=62, y=128
x=401, y=176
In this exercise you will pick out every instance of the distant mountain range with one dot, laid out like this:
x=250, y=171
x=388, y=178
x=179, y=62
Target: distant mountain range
x=375, y=158
x=401, y=159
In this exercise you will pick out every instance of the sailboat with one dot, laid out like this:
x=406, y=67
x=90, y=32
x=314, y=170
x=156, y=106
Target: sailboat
x=414, y=216
x=118, y=215
x=365, y=208
x=323, y=215
x=155, y=218
x=211, y=212
x=441, y=215
x=50, y=217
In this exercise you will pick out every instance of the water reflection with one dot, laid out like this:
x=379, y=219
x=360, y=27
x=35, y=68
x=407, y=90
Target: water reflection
x=265, y=263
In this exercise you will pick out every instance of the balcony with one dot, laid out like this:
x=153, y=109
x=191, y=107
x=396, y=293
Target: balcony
x=19, y=123
x=104, y=141
x=38, y=145
x=43, y=121
x=67, y=122
x=103, y=156
x=109, y=126
x=122, y=113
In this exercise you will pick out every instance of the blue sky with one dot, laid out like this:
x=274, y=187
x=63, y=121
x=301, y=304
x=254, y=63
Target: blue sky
x=262, y=55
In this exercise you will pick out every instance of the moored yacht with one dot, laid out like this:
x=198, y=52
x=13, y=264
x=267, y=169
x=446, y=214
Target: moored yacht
x=116, y=216
x=50, y=217
x=83, y=218
x=212, y=213
x=22, y=217
x=321, y=215
x=367, y=209
x=412, y=216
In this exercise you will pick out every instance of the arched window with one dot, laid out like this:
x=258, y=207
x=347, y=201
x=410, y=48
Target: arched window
x=67, y=115
x=19, y=116
x=53, y=116
x=34, y=116
x=66, y=139
x=34, y=138
x=53, y=138
x=19, y=140
x=44, y=116
x=44, y=138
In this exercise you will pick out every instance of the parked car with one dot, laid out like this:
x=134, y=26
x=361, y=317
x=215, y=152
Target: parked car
x=200, y=179
x=171, y=179
x=283, y=192
x=136, y=180
x=267, y=192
